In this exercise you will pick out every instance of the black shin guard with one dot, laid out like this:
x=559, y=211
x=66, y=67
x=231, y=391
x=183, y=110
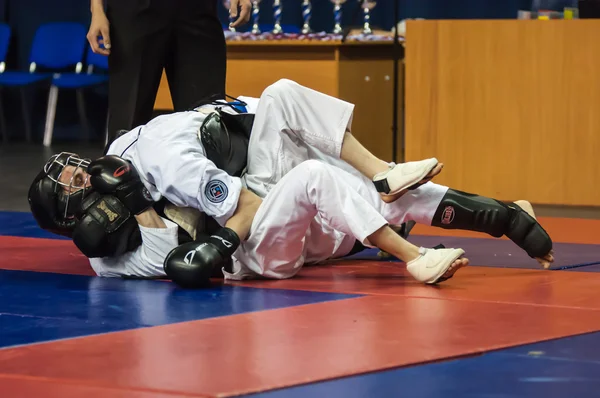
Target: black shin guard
x=461, y=210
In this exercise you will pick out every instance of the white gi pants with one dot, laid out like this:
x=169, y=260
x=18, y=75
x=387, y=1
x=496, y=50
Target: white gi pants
x=292, y=124
x=315, y=205
x=317, y=212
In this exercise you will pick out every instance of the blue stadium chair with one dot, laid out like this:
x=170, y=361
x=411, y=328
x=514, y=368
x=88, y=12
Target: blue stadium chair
x=56, y=46
x=5, y=34
x=97, y=66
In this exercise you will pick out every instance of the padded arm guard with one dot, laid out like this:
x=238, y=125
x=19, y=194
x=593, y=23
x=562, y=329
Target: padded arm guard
x=461, y=210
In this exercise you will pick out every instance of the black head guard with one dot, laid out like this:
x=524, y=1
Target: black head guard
x=56, y=194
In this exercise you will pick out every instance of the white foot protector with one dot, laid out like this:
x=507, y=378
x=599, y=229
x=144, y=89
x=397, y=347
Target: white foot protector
x=433, y=264
x=403, y=176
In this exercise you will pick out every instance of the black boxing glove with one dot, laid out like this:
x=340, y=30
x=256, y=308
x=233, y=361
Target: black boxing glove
x=192, y=264
x=100, y=217
x=114, y=175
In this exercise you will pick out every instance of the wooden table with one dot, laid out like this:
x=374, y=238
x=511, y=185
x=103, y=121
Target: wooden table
x=511, y=106
x=358, y=72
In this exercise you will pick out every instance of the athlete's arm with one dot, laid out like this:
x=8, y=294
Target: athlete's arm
x=159, y=237
x=150, y=219
x=241, y=220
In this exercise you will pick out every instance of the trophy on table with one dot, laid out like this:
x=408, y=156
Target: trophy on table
x=337, y=16
x=367, y=6
x=255, y=14
x=306, y=14
x=277, y=17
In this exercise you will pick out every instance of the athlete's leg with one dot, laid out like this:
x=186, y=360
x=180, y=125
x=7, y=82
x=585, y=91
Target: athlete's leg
x=276, y=247
x=294, y=123
x=440, y=206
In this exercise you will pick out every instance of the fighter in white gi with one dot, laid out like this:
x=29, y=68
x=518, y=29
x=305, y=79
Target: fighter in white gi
x=316, y=210
x=292, y=124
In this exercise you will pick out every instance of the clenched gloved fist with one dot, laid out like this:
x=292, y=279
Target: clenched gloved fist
x=114, y=175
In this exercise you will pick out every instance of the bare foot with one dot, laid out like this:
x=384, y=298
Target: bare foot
x=548, y=259
x=456, y=265
x=436, y=170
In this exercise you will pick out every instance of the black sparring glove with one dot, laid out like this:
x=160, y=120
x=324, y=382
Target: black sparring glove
x=192, y=264
x=114, y=175
x=101, y=216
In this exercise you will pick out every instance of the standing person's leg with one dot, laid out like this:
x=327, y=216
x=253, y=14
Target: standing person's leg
x=139, y=34
x=294, y=123
x=198, y=60
x=276, y=247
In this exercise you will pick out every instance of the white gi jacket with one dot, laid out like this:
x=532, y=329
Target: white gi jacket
x=171, y=160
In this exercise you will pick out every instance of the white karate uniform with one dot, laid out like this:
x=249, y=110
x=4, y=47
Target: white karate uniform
x=317, y=212
x=172, y=163
x=312, y=210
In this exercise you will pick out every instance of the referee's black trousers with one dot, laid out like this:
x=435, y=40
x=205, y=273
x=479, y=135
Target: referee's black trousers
x=185, y=37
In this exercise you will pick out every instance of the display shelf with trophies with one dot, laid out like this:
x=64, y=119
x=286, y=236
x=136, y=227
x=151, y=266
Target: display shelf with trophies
x=356, y=66
x=306, y=32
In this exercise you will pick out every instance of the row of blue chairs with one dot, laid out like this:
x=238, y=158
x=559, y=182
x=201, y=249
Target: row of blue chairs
x=58, y=54
x=57, y=58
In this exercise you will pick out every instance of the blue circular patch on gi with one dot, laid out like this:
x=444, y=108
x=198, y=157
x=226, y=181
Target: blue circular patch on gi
x=216, y=191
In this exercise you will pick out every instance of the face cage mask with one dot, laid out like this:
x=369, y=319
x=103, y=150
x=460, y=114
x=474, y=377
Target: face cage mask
x=70, y=191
